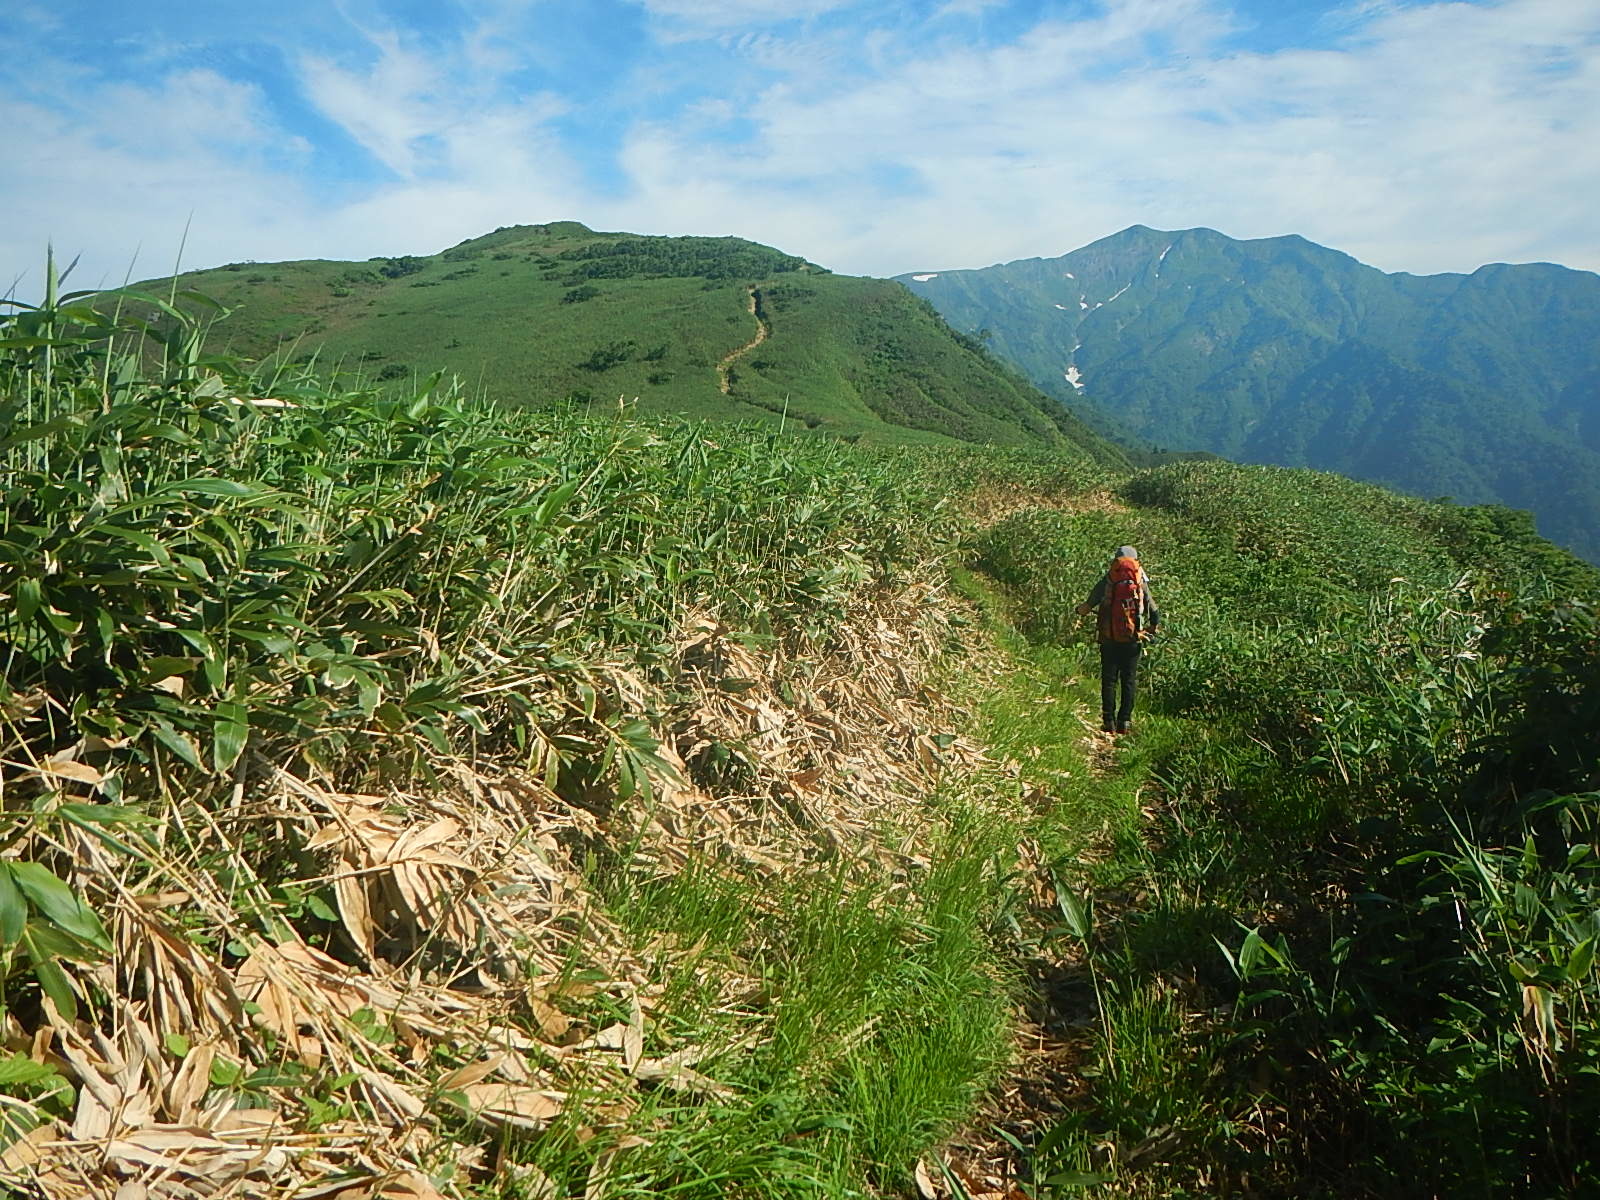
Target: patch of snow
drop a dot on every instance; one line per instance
(1082, 303)
(1161, 260)
(1073, 376)
(1124, 288)
(1062, 307)
(1070, 275)
(925, 278)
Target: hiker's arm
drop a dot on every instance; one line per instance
(1096, 598)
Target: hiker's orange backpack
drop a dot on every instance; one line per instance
(1123, 606)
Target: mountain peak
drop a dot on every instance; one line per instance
(707, 327)
(1282, 350)
(1135, 234)
(551, 230)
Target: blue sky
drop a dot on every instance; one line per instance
(875, 136)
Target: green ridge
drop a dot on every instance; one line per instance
(546, 314)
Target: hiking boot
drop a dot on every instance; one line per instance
(1124, 728)
(1107, 727)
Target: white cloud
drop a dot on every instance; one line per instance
(732, 14)
(967, 8)
(388, 109)
(1434, 137)
(1438, 138)
(119, 172)
(193, 150)
(423, 111)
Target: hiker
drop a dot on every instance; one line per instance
(1128, 617)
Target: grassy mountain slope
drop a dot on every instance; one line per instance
(704, 327)
(412, 797)
(1477, 386)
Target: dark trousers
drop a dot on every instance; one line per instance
(1119, 671)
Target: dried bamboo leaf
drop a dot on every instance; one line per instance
(61, 767)
(402, 1105)
(471, 1073)
(355, 911)
(195, 1153)
(412, 1185)
(512, 1104)
(550, 1020)
(27, 1150)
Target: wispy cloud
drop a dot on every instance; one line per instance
(124, 167)
(869, 135)
(735, 14)
(389, 108)
(1426, 138)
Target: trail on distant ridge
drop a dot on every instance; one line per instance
(725, 366)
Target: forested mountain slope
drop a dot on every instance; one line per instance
(1482, 387)
(542, 314)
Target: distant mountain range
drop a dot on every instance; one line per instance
(1483, 387)
(707, 327)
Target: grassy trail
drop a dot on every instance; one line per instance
(1084, 798)
(1341, 929)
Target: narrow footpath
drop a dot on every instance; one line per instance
(763, 328)
(1043, 718)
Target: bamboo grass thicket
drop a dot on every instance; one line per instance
(219, 586)
(283, 547)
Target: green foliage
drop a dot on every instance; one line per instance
(612, 354)
(41, 916)
(398, 268)
(678, 257)
(201, 568)
(31, 1094)
(1385, 778)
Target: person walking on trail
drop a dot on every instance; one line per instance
(1128, 617)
